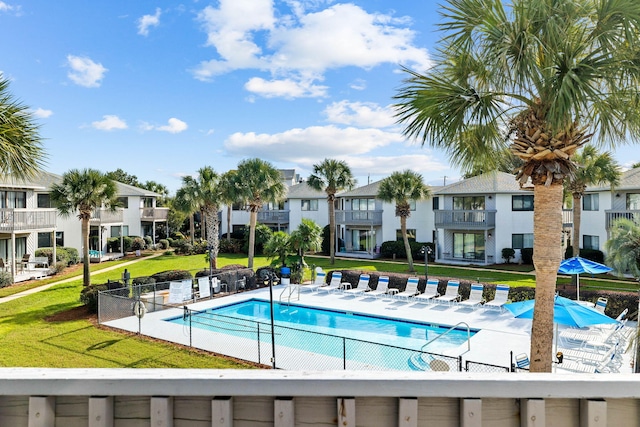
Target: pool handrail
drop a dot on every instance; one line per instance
(449, 330)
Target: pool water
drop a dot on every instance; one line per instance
(374, 340)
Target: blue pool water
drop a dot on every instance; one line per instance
(360, 338)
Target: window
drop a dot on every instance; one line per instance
(238, 206)
(590, 202)
(123, 202)
(310, 205)
(115, 231)
(13, 199)
(522, 203)
(468, 246)
(591, 242)
(44, 240)
(44, 201)
(147, 202)
(59, 238)
(633, 201)
(412, 205)
(520, 241)
(468, 203)
(125, 230)
(411, 234)
(273, 206)
(435, 203)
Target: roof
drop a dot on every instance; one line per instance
(304, 191)
(629, 180)
(370, 190)
(492, 182)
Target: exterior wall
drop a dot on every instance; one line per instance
(593, 222)
(296, 214)
(509, 222)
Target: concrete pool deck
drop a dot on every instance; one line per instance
(500, 334)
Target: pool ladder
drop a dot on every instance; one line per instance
(289, 293)
(417, 361)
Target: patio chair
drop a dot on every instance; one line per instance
(601, 304)
(3, 267)
(430, 291)
(500, 299)
(361, 287)
(335, 284)
(319, 281)
(381, 289)
(410, 290)
(522, 361)
(475, 296)
(451, 295)
(24, 263)
(204, 289)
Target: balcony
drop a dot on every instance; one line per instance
(206, 397)
(273, 217)
(368, 218)
(107, 216)
(12, 220)
(154, 214)
(612, 216)
(471, 219)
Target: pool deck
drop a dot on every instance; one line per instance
(499, 332)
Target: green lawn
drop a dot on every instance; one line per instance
(29, 337)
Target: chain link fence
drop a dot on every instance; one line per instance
(283, 347)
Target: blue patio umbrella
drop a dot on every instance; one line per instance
(577, 266)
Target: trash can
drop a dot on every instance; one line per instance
(285, 275)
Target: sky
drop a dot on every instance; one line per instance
(161, 89)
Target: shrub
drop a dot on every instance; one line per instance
(233, 246)
(177, 235)
(508, 254)
(170, 240)
(167, 276)
(67, 256)
(113, 244)
(183, 247)
(164, 244)
(148, 240)
(59, 266)
(146, 283)
(5, 279)
(593, 255)
(168, 253)
(527, 255)
(89, 296)
(199, 247)
(388, 249)
(325, 240)
(263, 234)
(138, 244)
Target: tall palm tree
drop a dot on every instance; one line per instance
(541, 77)
(21, 151)
(593, 168)
(332, 176)
(278, 247)
(402, 188)
(82, 192)
(307, 237)
(229, 195)
(623, 247)
(258, 182)
(186, 201)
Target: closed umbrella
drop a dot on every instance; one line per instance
(578, 265)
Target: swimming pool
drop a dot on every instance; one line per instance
(383, 342)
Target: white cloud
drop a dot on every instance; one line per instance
(8, 8)
(173, 126)
(358, 84)
(307, 145)
(382, 166)
(148, 21)
(302, 45)
(84, 71)
(109, 123)
(364, 114)
(41, 113)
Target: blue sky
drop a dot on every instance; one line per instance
(161, 89)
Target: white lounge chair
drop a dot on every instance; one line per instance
(410, 290)
(522, 361)
(601, 304)
(430, 291)
(335, 284)
(381, 289)
(319, 281)
(475, 296)
(500, 299)
(361, 287)
(451, 295)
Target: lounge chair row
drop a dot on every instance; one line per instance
(411, 291)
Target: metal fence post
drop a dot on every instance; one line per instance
(344, 353)
(259, 360)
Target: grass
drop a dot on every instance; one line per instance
(36, 330)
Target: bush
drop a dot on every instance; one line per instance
(164, 244)
(183, 247)
(170, 240)
(325, 240)
(233, 246)
(388, 249)
(89, 294)
(508, 254)
(59, 266)
(146, 282)
(113, 244)
(138, 244)
(168, 276)
(168, 253)
(199, 247)
(263, 234)
(67, 256)
(5, 279)
(148, 241)
(177, 235)
(592, 255)
(527, 255)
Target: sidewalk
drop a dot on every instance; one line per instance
(71, 279)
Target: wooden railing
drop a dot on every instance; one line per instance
(347, 217)
(273, 217)
(107, 216)
(202, 397)
(154, 214)
(470, 219)
(27, 219)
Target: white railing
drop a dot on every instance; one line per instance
(200, 397)
(27, 219)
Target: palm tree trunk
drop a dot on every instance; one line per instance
(332, 230)
(547, 233)
(253, 218)
(229, 211)
(407, 246)
(192, 227)
(211, 213)
(86, 275)
(577, 215)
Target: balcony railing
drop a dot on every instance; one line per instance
(27, 219)
(273, 217)
(359, 217)
(107, 216)
(567, 217)
(206, 397)
(154, 214)
(612, 216)
(470, 219)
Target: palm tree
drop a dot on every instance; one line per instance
(186, 201)
(623, 247)
(21, 151)
(307, 237)
(402, 188)
(541, 77)
(258, 182)
(278, 247)
(229, 195)
(593, 168)
(332, 176)
(82, 192)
